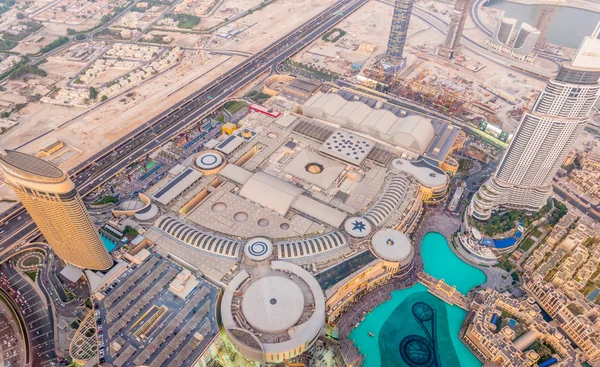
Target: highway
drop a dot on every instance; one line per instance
(16, 223)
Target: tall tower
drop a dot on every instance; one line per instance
(451, 46)
(50, 197)
(526, 40)
(542, 22)
(504, 31)
(398, 31)
(545, 136)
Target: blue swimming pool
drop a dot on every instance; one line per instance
(109, 244)
(505, 242)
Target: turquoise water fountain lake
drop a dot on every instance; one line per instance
(415, 328)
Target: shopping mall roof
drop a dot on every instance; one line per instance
(278, 195)
(282, 309)
(270, 192)
(314, 169)
(391, 245)
(273, 304)
(443, 140)
(426, 174)
(177, 186)
(413, 132)
(236, 173)
(230, 144)
(348, 147)
(302, 85)
(319, 211)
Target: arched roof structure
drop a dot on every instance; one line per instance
(412, 132)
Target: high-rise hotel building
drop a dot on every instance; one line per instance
(545, 136)
(51, 199)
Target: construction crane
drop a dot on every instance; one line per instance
(180, 56)
(199, 48)
(542, 23)
(527, 104)
(199, 43)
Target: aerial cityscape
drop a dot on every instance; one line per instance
(307, 183)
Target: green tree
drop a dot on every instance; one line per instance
(71, 32)
(103, 98)
(130, 231)
(93, 93)
(575, 308)
(20, 15)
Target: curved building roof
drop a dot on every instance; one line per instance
(426, 174)
(389, 200)
(209, 161)
(282, 311)
(270, 192)
(191, 236)
(413, 132)
(392, 245)
(310, 246)
(273, 304)
(28, 167)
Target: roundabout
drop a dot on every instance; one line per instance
(30, 261)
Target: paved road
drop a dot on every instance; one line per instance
(140, 142)
(576, 202)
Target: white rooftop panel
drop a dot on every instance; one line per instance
(347, 146)
(314, 169)
(319, 211)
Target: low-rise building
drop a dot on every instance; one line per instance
(572, 319)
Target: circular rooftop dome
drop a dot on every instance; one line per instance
(258, 249)
(391, 245)
(358, 227)
(209, 161)
(273, 304)
(277, 311)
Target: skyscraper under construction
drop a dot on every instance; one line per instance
(542, 22)
(398, 31)
(545, 136)
(451, 46)
(51, 199)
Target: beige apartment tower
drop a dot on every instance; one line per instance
(51, 199)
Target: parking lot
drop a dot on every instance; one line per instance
(9, 341)
(37, 314)
(148, 322)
